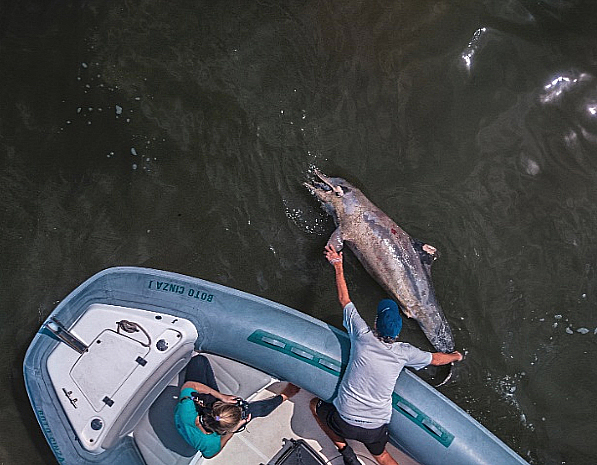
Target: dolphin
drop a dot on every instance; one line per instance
(395, 260)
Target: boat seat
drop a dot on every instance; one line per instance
(156, 435)
(237, 379)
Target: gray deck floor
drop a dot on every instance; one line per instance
(263, 438)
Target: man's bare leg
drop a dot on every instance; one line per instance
(348, 455)
(385, 458)
(339, 442)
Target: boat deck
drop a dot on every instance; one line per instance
(263, 437)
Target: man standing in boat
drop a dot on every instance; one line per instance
(363, 407)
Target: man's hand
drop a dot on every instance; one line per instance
(332, 256)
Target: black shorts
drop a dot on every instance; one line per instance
(375, 440)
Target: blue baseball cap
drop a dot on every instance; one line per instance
(389, 321)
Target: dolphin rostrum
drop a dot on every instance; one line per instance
(394, 259)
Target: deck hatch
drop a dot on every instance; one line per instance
(110, 360)
(297, 351)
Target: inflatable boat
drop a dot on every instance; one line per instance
(103, 374)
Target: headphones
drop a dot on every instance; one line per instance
(204, 411)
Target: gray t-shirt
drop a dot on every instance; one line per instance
(365, 393)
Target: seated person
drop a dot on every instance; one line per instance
(206, 418)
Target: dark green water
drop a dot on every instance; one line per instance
(176, 135)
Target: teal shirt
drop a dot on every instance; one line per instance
(184, 418)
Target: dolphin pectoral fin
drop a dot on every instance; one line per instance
(336, 240)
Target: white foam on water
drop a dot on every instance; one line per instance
(473, 47)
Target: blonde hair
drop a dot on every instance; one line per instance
(223, 418)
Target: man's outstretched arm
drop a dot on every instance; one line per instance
(335, 260)
(440, 358)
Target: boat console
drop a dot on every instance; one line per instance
(111, 366)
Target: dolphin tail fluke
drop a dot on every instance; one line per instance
(437, 376)
(447, 376)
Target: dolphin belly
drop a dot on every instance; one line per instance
(387, 254)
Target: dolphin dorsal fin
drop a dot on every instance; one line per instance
(426, 258)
